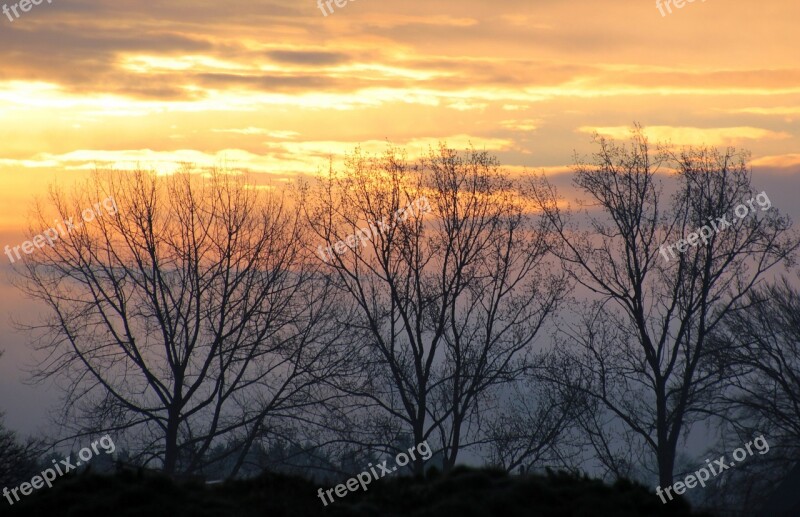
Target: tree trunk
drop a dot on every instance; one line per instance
(171, 443)
(450, 460)
(666, 463)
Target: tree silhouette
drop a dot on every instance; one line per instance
(449, 299)
(642, 343)
(187, 316)
(18, 460)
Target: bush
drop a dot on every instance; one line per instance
(464, 492)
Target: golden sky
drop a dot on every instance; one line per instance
(276, 87)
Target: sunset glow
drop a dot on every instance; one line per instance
(278, 88)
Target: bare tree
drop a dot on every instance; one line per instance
(535, 426)
(185, 315)
(448, 271)
(762, 338)
(765, 333)
(18, 459)
(643, 345)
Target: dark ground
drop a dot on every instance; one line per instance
(463, 493)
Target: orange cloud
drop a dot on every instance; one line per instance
(690, 135)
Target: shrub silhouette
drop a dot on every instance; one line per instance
(464, 492)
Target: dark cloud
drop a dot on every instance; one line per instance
(267, 82)
(300, 57)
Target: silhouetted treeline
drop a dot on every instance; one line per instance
(218, 329)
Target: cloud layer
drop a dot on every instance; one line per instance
(278, 87)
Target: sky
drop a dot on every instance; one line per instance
(278, 88)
